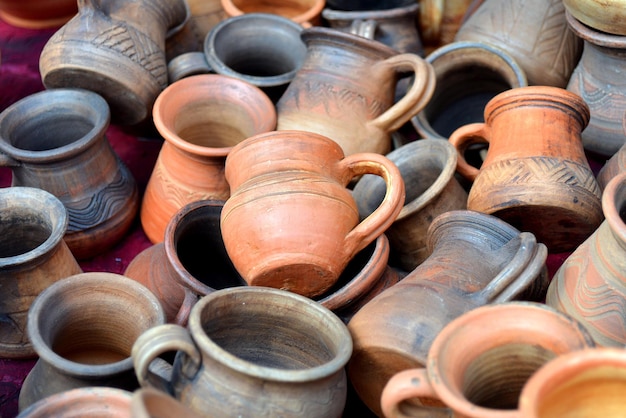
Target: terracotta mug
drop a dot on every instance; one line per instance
(428, 169)
(470, 367)
(33, 256)
(97, 402)
(291, 222)
(83, 328)
(200, 118)
(535, 175)
(252, 351)
(345, 90)
(305, 12)
(55, 140)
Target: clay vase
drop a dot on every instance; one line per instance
(345, 90)
(427, 167)
(304, 12)
(152, 403)
(468, 75)
(115, 48)
(440, 20)
(582, 383)
(191, 262)
(252, 351)
(291, 222)
(394, 25)
(100, 402)
(470, 365)
(597, 79)
(590, 285)
(534, 32)
(55, 140)
(200, 118)
(545, 186)
(33, 256)
(476, 259)
(37, 14)
(83, 328)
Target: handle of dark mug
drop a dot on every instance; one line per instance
(462, 138)
(187, 64)
(160, 340)
(416, 97)
(386, 213)
(189, 301)
(409, 384)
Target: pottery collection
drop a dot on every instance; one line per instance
(393, 209)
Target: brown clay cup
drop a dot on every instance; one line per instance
(252, 351)
(479, 363)
(291, 222)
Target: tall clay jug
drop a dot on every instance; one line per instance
(476, 259)
(55, 140)
(345, 90)
(291, 222)
(536, 175)
(33, 256)
(115, 48)
(591, 284)
(534, 32)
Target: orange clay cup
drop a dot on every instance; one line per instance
(291, 223)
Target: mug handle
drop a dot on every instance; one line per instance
(189, 301)
(417, 96)
(462, 138)
(159, 340)
(386, 213)
(407, 384)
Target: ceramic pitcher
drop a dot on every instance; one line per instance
(291, 222)
(476, 259)
(536, 175)
(345, 90)
(56, 140)
(115, 48)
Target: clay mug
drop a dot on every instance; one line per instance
(93, 401)
(83, 328)
(115, 48)
(33, 256)
(55, 140)
(304, 12)
(428, 169)
(584, 383)
(535, 175)
(37, 14)
(153, 403)
(252, 351)
(191, 262)
(200, 118)
(470, 367)
(291, 222)
(345, 90)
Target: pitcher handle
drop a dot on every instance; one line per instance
(462, 138)
(386, 213)
(407, 384)
(417, 96)
(189, 301)
(159, 340)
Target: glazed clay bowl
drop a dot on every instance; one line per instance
(603, 15)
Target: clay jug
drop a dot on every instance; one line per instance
(37, 14)
(55, 140)
(534, 32)
(33, 256)
(304, 12)
(591, 284)
(345, 90)
(427, 167)
(291, 222)
(535, 175)
(598, 80)
(480, 362)
(115, 48)
(200, 118)
(83, 328)
(476, 259)
(191, 262)
(252, 351)
(97, 402)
